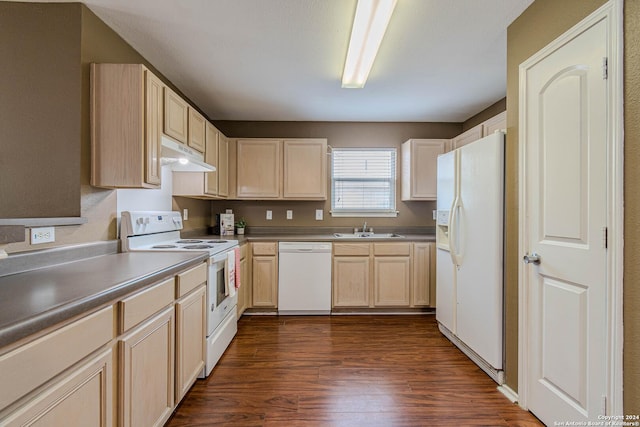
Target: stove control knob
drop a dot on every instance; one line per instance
(140, 221)
(146, 220)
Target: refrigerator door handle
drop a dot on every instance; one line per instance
(453, 232)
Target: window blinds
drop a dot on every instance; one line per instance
(363, 182)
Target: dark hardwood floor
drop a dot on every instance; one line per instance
(345, 371)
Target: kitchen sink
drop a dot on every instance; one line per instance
(367, 235)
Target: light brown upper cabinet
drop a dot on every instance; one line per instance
(197, 129)
(207, 185)
(223, 166)
(305, 169)
(212, 144)
(259, 163)
(176, 116)
(217, 154)
(126, 120)
(292, 169)
(467, 137)
(419, 168)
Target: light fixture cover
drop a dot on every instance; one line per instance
(369, 25)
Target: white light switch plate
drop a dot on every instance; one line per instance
(289, 214)
(269, 215)
(318, 214)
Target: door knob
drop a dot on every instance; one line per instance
(534, 258)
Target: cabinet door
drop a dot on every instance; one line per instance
(197, 130)
(467, 137)
(153, 129)
(243, 290)
(351, 281)
(211, 157)
(175, 116)
(191, 330)
(146, 362)
(419, 168)
(498, 122)
(223, 166)
(82, 398)
(421, 283)
(264, 274)
(126, 110)
(258, 169)
(305, 169)
(391, 281)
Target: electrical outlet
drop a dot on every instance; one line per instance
(43, 235)
(289, 214)
(269, 215)
(185, 214)
(435, 215)
(318, 214)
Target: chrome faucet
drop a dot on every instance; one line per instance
(364, 227)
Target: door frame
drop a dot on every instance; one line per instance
(612, 11)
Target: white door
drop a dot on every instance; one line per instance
(478, 235)
(564, 138)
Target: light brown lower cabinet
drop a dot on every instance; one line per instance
(264, 274)
(244, 292)
(146, 380)
(423, 271)
(126, 364)
(391, 281)
(191, 328)
(81, 398)
(383, 274)
(351, 281)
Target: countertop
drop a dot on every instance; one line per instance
(327, 238)
(34, 300)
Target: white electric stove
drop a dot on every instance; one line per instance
(160, 231)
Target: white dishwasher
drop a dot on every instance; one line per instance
(304, 278)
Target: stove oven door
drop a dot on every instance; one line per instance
(220, 304)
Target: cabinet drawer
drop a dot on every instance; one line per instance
(351, 249)
(243, 251)
(267, 248)
(138, 307)
(397, 249)
(191, 279)
(31, 365)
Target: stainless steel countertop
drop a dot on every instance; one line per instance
(34, 300)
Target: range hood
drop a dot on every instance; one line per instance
(181, 158)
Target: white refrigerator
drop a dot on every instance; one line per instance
(469, 254)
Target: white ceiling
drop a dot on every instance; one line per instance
(440, 60)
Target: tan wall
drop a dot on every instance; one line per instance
(632, 207)
(485, 114)
(75, 30)
(39, 110)
(542, 22)
(339, 134)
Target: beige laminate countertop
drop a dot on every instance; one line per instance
(34, 300)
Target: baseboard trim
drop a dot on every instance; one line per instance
(508, 392)
(495, 374)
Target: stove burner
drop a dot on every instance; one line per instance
(216, 241)
(197, 247)
(163, 247)
(189, 241)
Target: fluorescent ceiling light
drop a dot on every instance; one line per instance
(369, 26)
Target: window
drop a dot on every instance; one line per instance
(363, 182)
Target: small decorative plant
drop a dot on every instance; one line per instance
(241, 224)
